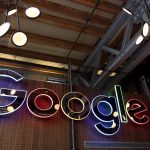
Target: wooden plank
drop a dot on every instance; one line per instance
(62, 22)
(53, 42)
(104, 6)
(37, 55)
(49, 41)
(69, 24)
(31, 67)
(62, 9)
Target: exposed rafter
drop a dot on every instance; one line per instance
(49, 41)
(30, 54)
(118, 22)
(62, 22)
(104, 6)
(78, 14)
(138, 57)
(118, 60)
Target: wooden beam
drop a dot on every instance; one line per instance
(61, 22)
(49, 41)
(104, 6)
(27, 67)
(37, 55)
(53, 42)
(62, 9)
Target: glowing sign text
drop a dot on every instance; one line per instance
(108, 121)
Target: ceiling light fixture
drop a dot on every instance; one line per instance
(127, 11)
(145, 29)
(4, 28)
(6, 25)
(139, 39)
(32, 12)
(112, 74)
(12, 11)
(19, 38)
(99, 72)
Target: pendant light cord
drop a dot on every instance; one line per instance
(82, 30)
(7, 11)
(18, 21)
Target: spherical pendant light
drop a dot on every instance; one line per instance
(4, 28)
(19, 39)
(32, 12)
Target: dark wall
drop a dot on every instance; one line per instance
(23, 131)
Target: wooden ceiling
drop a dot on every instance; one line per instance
(53, 35)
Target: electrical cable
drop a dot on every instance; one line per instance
(82, 30)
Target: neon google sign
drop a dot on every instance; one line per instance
(109, 123)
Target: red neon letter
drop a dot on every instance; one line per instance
(40, 112)
(135, 109)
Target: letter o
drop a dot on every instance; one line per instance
(43, 113)
(69, 112)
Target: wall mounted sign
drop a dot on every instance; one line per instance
(108, 121)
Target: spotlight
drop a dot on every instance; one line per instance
(19, 39)
(139, 39)
(4, 28)
(145, 29)
(127, 11)
(12, 11)
(32, 12)
(99, 72)
(113, 74)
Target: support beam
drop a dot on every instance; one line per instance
(84, 81)
(49, 41)
(118, 60)
(134, 61)
(111, 50)
(118, 22)
(128, 32)
(36, 55)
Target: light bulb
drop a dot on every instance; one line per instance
(145, 30)
(4, 28)
(11, 12)
(139, 40)
(127, 11)
(32, 12)
(19, 39)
